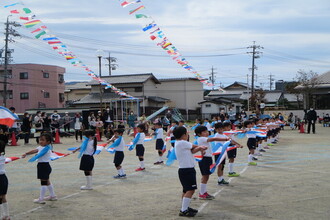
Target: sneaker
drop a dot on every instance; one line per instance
(223, 182)
(38, 201)
(233, 174)
(140, 169)
(120, 176)
(258, 154)
(206, 196)
(193, 210)
(158, 162)
(253, 164)
(262, 150)
(187, 213)
(266, 147)
(270, 144)
(86, 188)
(254, 158)
(51, 198)
(123, 176)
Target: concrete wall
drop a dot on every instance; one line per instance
(36, 85)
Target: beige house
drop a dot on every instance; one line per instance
(151, 94)
(74, 91)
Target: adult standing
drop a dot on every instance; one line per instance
(55, 121)
(232, 115)
(38, 123)
(46, 122)
(67, 124)
(26, 127)
(311, 119)
(15, 125)
(169, 116)
(78, 126)
(107, 118)
(131, 121)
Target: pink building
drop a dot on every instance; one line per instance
(34, 86)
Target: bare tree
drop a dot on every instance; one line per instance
(307, 85)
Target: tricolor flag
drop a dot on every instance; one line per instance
(57, 155)
(10, 159)
(148, 139)
(99, 148)
(198, 158)
(126, 3)
(223, 155)
(32, 23)
(137, 9)
(7, 117)
(111, 150)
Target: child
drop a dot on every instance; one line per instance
(159, 142)
(119, 154)
(251, 143)
(3, 184)
(170, 132)
(232, 153)
(87, 150)
(204, 165)
(187, 174)
(139, 145)
(43, 167)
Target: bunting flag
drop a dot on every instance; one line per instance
(10, 159)
(41, 153)
(40, 31)
(7, 117)
(157, 35)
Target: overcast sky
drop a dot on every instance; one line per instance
(295, 35)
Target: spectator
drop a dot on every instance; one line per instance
(38, 123)
(326, 120)
(78, 126)
(99, 125)
(46, 122)
(131, 121)
(169, 116)
(26, 127)
(67, 124)
(90, 118)
(166, 123)
(311, 119)
(107, 117)
(55, 121)
(15, 125)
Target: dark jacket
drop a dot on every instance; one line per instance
(26, 124)
(311, 115)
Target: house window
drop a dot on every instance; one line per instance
(9, 94)
(46, 75)
(24, 95)
(60, 78)
(46, 95)
(61, 97)
(138, 89)
(208, 105)
(24, 75)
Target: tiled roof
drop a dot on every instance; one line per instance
(324, 78)
(76, 85)
(94, 98)
(126, 79)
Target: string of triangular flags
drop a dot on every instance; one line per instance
(158, 36)
(40, 31)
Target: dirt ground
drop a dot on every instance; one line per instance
(291, 181)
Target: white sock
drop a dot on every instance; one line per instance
(142, 164)
(231, 167)
(250, 158)
(203, 189)
(160, 159)
(185, 203)
(121, 171)
(220, 178)
(51, 190)
(43, 190)
(89, 181)
(5, 210)
(259, 146)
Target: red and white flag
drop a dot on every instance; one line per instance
(7, 117)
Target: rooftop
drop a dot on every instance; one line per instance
(126, 79)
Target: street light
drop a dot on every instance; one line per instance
(99, 54)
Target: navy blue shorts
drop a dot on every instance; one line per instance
(159, 144)
(87, 163)
(3, 184)
(139, 150)
(43, 170)
(187, 178)
(204, 165)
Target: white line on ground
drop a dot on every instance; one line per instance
(200, 209)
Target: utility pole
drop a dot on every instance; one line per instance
(212, 77)
(8, 31)
(112, 63)
(255, 55)
(248, 91)
(271, 80)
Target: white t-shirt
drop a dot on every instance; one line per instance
(202, 141)
(171, 129)
(2, 164)
(15, 125)
(183, 154)
(141, 139)
(44, 158)
(159, 133)
(77, 124)
(121, 145)
(217, 135)
(90, 148)
(208, 126)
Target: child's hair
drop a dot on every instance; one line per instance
(200, 129)
(120, 131)
(142, 127)
(256, 120)
(182, 121)
(178, 132)
(199, 120)
(226, 124)
(47, 136)
(206, 119)
(218, 125)
(2, 147)
(247, 122)
(176, 122)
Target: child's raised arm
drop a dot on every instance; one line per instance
(196, 148)
(218, 139)
(34, 151)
